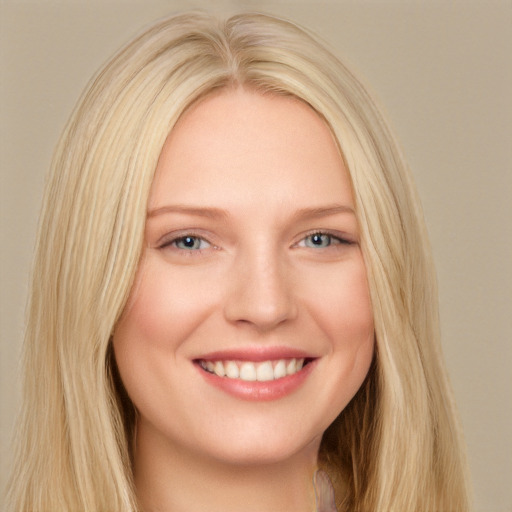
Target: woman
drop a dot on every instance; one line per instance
(233, 288)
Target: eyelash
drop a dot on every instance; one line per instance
(175, 240)
(334, 239)
(338, 240)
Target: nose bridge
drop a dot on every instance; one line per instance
(262, 291)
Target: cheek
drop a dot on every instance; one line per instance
(164, 307)
(343, 312)
(340, 302)
(351, 320)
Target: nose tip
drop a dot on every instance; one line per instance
(261, 297)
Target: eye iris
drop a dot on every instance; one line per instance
(320, 240)
(189, 242)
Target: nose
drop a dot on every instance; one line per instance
(261, 292)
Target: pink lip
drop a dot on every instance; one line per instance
(255, 390)
(255, 354)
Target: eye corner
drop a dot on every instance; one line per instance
(183, 242)
(324, 239)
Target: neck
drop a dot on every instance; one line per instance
(171, 478)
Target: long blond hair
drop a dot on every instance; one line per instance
(396, 447)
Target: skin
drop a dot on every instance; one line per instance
(270, 168)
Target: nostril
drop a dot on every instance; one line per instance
(261, 296)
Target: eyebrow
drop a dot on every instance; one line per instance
(218, 213)
(210, 212)
(323, 211)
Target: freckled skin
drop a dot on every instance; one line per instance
(256, 280)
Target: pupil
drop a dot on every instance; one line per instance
(318, 239)
(189, 241)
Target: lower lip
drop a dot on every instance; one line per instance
(259, 391)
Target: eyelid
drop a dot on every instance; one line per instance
(342, 238)
(170, 238)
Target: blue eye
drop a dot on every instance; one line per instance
(190, 243)
(320, 240)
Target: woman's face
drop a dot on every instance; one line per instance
(249, 327)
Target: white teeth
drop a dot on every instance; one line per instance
(249, 371)
(265, 372)
(232, 370)
(280, 369)
(219, 369)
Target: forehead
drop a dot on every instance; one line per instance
(265, 144)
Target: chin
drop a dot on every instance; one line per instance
(265, 450)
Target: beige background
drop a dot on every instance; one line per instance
(443, 71)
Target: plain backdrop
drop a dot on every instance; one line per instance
(442, 70)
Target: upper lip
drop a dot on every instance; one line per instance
(255, 354)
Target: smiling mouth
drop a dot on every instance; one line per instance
(249, 371)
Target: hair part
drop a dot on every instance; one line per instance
(397, 445)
